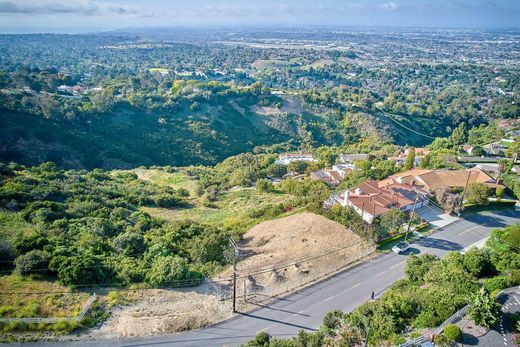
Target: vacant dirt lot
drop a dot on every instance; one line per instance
(278, 256)
(159, 311)
(287, 253)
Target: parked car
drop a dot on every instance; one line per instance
(401, 247)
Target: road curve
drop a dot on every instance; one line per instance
(305, 309)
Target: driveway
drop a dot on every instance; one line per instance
(437, 217)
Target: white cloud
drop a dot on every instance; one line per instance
(80, 7)
(390, 6)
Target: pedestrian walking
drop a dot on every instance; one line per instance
(372, 296)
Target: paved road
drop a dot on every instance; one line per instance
(501, 335)
(305, 309)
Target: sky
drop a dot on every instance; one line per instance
(18, 16)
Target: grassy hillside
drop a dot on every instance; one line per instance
(128, 137)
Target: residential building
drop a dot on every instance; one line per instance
(403, 156)
(493, 149)
(332, 177)
(371, 199)
(418, 151)
(348, 159)
(432, 180)
(286, 159)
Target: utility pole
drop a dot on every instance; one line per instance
(236, 253)
(411, 216)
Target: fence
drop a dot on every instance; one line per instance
(51, 320)
(454, 318)
(264, 284)
(222, 291)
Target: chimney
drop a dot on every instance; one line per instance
(357, 191)
(399, 179)
(345, 198)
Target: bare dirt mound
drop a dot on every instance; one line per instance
(282, 255)
(282, 240)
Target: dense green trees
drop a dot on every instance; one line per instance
(87, 229)
(392, 220)
(410, 159)
(135, 102)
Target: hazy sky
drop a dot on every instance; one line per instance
(96, 15)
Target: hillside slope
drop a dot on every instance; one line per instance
(129, 137)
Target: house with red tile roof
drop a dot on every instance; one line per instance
(432, 180)
(371, 199)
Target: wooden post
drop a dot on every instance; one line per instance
(234, 284)
(236, 253)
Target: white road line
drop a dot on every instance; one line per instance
(465, 231)
(297, 313)
(355, 285)
(391, 267)
(329, 298)
(516, 299)
(259, 331)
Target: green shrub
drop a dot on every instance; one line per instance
(6, 254)
(426, 319)
(332, 321)
(33, 262)
(183, 192)
(498, 282)
(116, 298)
(515, 321)
(484, 309)
(262, 339)
(131, 244)
(168, 270)
(441, 341)
(453, 332)
(264, 185)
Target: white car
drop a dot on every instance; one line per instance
(401, 247)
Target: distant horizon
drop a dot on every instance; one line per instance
(91, 16)
(137, 29)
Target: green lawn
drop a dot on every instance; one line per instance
(159, 69)
(175, 180)
(231, 209)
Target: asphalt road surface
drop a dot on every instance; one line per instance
(502, 334)
(306, 308)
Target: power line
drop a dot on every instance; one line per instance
(300, 260)
(404, 126)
